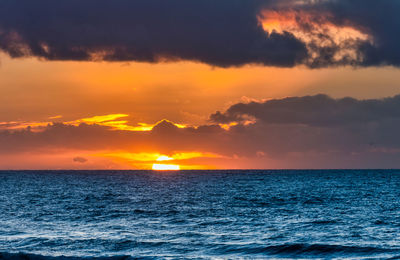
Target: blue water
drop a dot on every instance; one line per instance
(200, 214)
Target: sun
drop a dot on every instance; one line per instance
(166, 167)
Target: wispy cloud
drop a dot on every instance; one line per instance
(113, 121)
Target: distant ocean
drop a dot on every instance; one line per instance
(200, 214)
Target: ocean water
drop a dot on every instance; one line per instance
(339, 214)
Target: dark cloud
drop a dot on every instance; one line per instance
(299, 132)
(380, 19)
(220, 33)
(322, 131)
(319, 110)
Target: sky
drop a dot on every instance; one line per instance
(202, 84)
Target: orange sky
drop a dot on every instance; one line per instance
(250, 84)
(35, 92)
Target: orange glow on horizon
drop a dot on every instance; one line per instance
(147, 160)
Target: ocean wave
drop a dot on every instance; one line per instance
(28, 256)
(277, 251)
(304, 250)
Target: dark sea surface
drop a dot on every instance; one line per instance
(289, 214)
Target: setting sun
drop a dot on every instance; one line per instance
(165, 167)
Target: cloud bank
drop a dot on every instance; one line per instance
(316, 111)
(297, 132)
(220, 33)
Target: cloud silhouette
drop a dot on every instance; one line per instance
(298, 132)
(220, 33)
(319, 110)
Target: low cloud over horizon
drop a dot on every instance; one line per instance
(295, 132)
(222, 33)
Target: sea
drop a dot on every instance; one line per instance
(246, 214)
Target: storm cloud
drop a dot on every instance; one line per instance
(220, 33)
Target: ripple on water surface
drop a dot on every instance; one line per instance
(199, 214)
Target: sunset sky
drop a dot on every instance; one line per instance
(202, 84)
